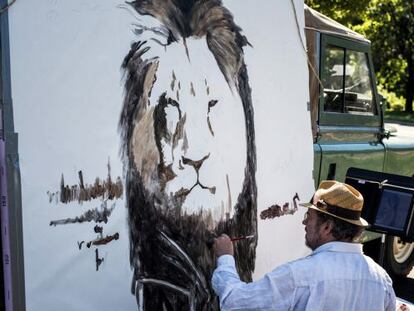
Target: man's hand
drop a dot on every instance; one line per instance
(403, 307)
(223, 246)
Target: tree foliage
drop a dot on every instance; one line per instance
(389, 24)
(346, 12)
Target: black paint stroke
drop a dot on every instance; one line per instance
(173, 79)
(207, 87)
(183, 192)
(98, 260)
(295, 201)
(98, 229)
(192, 90)
(172, 267)
(80, 244)
(210, 128)
(211, 104)
(97, 215)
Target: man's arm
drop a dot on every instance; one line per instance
(225, 277)
(391, 302)
(274, 291)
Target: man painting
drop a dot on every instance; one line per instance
(336, 276)
(188, 145)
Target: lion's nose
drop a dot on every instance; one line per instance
(195, 163)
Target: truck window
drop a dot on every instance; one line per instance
(347, 83)
(332, 79)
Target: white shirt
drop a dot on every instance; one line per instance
(336, 276)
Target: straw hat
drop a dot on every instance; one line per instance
(338, 200)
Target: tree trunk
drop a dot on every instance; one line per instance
(409, 88)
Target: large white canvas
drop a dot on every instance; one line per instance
(67, 93)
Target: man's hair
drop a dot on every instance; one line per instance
(341, 230)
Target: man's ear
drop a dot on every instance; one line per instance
(327, 227)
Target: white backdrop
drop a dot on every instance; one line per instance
(67, 96)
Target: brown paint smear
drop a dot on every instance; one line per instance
(105, 189)
(103, 241)
(277, 210)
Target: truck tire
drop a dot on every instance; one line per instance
(398, 257)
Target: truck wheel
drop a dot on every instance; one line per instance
(399, 257)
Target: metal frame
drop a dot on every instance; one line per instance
(12, 228)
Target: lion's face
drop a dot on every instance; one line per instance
(189, 144)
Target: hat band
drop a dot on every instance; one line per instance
(339, 211)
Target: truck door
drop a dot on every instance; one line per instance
(349, 120)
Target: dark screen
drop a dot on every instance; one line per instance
(393, 210)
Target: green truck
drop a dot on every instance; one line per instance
(347, 122)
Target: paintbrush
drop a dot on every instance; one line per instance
(246, 237)
(210, 241)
